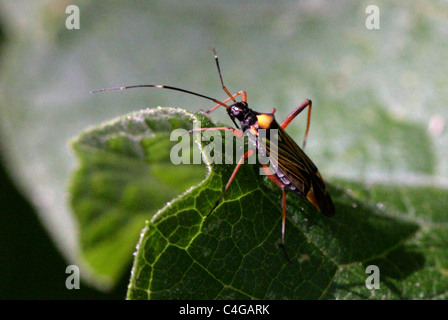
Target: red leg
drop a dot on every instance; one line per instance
(292, 115)
(281, 185)
(234, 131)
(246, 155)
(283, 214)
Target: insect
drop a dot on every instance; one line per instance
(295, 170)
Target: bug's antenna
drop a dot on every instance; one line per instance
(163, 87)
(220, 76)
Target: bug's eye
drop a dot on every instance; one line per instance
(236, 111)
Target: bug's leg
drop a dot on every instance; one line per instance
(273, 110)
(281, 185)
(243, 98)
(283, 224)
(283, 214)
(246, 155)
(292, 115)
(234, 131)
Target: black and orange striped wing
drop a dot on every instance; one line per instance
(299, 170)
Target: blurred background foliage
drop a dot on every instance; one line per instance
(379, 98)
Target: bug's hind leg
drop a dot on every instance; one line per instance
(282, 186)
(295, 113)
(282, 245)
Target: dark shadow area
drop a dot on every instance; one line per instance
(398, 265)
(357, 232)
(395, 267)
(31, 266)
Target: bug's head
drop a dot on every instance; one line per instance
(238, 111)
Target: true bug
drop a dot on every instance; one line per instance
(295, 170)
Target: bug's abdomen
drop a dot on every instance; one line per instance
(315, 191)
(299, 189)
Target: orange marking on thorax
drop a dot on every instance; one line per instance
(264, 120)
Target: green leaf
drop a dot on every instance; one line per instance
(125, 176)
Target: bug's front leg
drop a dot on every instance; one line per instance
(236, 132)
(246, 155)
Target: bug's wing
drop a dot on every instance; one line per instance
(299, 170)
